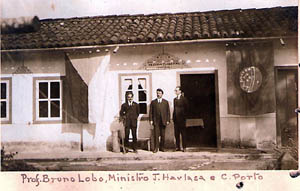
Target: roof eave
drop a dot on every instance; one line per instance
(66, 49)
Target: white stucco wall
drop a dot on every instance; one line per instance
(286, 55)
(22, 131)
(101, 72)
(255, 131)
(22, 98)
(37, 62)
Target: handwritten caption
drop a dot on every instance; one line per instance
(39, 179)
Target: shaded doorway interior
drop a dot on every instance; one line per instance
(286, 102)
(199, 89)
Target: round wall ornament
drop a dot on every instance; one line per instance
(250, 79)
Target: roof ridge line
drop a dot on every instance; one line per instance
(161, 14)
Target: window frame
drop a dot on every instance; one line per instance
(36, 100)
(148, 76)
(8, 100)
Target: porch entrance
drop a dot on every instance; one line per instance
(200, 91)
(286, 103)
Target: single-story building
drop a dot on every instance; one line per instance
(63, 80)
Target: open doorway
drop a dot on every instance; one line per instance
(286, 102)
(200, 91)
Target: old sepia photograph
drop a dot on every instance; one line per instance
(149, 85)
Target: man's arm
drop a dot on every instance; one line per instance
(173, 109)
(168, 113)
(137, 109)
(122, 111)
(186, 107)
(150, 113)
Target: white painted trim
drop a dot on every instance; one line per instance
(47, 75)
(6, 75)
(37, 100)
(135, 89)
(283, 65)
(205, 69)
(33, 75)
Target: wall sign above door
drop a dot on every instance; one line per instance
(164, 61)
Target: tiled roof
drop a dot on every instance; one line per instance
(102, 30)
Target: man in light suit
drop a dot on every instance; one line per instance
(159, 117)
(179, 118)
(129, 113)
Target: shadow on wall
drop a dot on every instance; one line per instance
(144, 133)
(78, 128)
(118, 130)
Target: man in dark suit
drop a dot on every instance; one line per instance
(159, 117)
(129, 113)
(179, 118)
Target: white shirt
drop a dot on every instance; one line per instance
(130, 103)
(159, 100)
(178, 97)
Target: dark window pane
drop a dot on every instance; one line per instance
(143, 108)
(3, 90)
(3, 109)
(43, 90)
(142, 83)
(142, 96)
(128, 84)
(54, 89)
(43, 109)
(55, 108)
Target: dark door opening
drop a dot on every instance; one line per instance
(199, 89)
(286, 102)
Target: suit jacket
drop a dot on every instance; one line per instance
(180, 110)
(157, 111)
(129, 114)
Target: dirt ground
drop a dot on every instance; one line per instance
(143, 161)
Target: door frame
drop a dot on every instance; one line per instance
(215, 72)
(278, 130)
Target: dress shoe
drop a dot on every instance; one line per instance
(135, 151)
(155, 151)
(184, 150)
(162, 150)
(178, 149)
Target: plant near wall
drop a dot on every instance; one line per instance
(8, 163)
(293, 147)
(5, 157)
